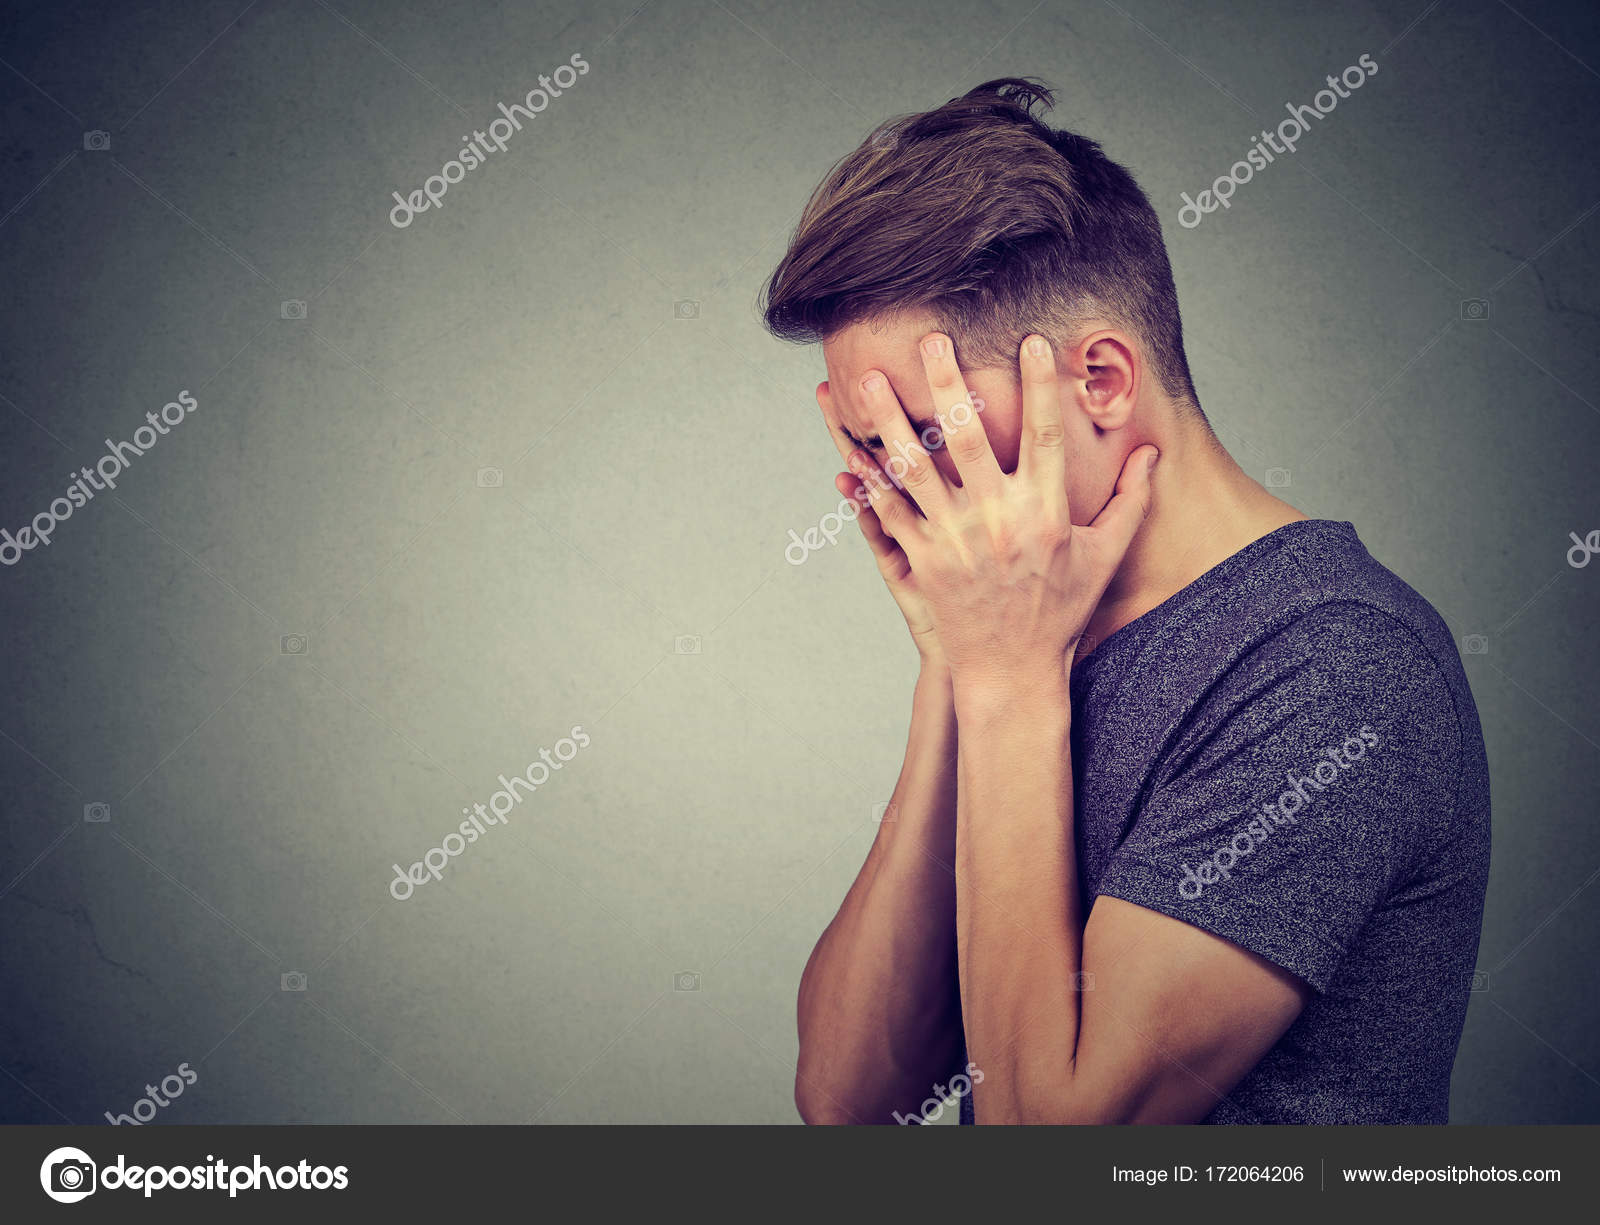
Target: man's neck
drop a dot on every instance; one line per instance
(1204, 509)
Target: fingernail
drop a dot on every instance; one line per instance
(872, 383)
(1150, 461)
(933, 346)
(1038, 347)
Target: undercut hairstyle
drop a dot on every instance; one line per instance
(994, 223)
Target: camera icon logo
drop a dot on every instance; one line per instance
(490, 478)
(883, 811)
(685, 980)
(1480, 981)
(1083, 980)
(293, 644)
(686, 309)
(1277, 478)
(1475, 644)
(68, 1175)
(97, 141)
(294, 980)
(686, 644)
(294, 308)
(1475, 309)
(97, 813)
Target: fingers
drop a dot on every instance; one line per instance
(896, 516)
(890, 557)
(909, 464)
(865, 473)
(830, 414)
(964, 435)
(1043, 458)
(1122, 517)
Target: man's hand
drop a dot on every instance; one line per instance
(1008, 580)
(891, 559)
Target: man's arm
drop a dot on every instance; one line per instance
(879, 1013)
(1134, 1018)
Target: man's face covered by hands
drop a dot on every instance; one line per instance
(892, 349)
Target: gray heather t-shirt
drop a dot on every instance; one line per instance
(1286, 754)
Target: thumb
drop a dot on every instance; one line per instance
(1122, 517)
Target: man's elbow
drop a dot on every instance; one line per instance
(1065, 1101)
(817, 1107)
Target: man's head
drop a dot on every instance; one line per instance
(979, 221)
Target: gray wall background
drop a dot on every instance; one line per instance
(653, 458)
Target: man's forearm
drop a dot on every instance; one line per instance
(1020, 925)
(879, 1010)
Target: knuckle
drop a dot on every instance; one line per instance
(891, 509)
(967, 443)
(1047, 434)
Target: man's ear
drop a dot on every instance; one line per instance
(1103, 378)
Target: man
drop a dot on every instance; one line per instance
(1193, 823)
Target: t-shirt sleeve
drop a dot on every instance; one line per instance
(1300, 794)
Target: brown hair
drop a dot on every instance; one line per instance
(993, 222)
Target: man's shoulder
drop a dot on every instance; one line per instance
(1348, 641)
(1307, 596)
(1312, 628)
(1350, 616)
(1302, 629)
(1353, 644)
